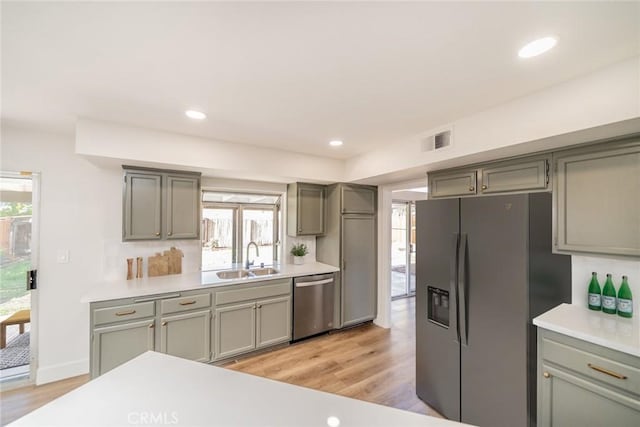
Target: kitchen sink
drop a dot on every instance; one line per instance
(263, 271)
(232, 274)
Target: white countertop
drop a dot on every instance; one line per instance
(189, 281)
(168, 390)
(607, 330)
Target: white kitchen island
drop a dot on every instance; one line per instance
(157, 389)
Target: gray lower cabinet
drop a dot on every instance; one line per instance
(178, 324)
(160, 205)
(583, 384)
(236, 329)
(597, 199)
(273, 321)
(252, 317)
(113, 345)
(187, 335)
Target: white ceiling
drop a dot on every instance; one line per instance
(294, 75)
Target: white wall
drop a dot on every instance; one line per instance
(606, 96)
(214, 158)
(80, 211)
(582, 266)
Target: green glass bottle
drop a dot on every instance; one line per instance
(625, 301)
(609, 296)
(595, 295)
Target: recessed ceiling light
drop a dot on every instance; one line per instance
(335, 143)
(537, 47)
(193, 114)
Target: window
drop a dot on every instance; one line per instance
(230, 221)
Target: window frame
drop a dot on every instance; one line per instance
(237, 251)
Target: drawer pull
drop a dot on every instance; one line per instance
(125, 313)
(608, 372)
(188, 302)
(546, 375)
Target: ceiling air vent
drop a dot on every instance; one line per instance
(436, 142)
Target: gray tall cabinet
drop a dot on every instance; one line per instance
(350, 243)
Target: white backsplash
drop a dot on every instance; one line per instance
(310, 241)
(116, 253)
(582, 266)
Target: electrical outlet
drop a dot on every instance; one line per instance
(63, 256)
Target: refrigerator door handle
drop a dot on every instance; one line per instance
(462, 284)
(453, 284)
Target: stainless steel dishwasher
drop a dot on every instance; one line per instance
(313, 302)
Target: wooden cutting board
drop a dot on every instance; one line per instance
(170, 262)
(158, 265)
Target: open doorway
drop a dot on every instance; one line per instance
(18, 258)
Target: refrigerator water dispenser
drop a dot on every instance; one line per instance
(438, 306)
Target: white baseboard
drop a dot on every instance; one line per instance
(48, 374)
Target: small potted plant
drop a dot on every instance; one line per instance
(298, 252)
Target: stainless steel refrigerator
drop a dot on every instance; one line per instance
(484, 270)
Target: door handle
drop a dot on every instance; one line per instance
(453, 284)
(317, 282)
(462, 293)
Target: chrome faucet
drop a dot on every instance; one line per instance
(247, 263)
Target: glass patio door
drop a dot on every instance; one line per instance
(18, 256)
(403, 256)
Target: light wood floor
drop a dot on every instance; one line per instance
(367, 363)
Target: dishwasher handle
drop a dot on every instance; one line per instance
(314, 283)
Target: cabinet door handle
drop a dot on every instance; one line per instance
(608, 372)
(259, 305)
(546, 375)
(188, 302)
(125, 313)
(158, 233)
(170, 233)
(151, 326)
(164, 323)
(484, 187)
(471, 188)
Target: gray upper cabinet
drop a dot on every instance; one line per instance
(452, 184)
(142, 206)
(597, 199)
(183, 207)
(358, 199)
(160, 205)
(305, 209)
(516, 175)
(524, 174)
